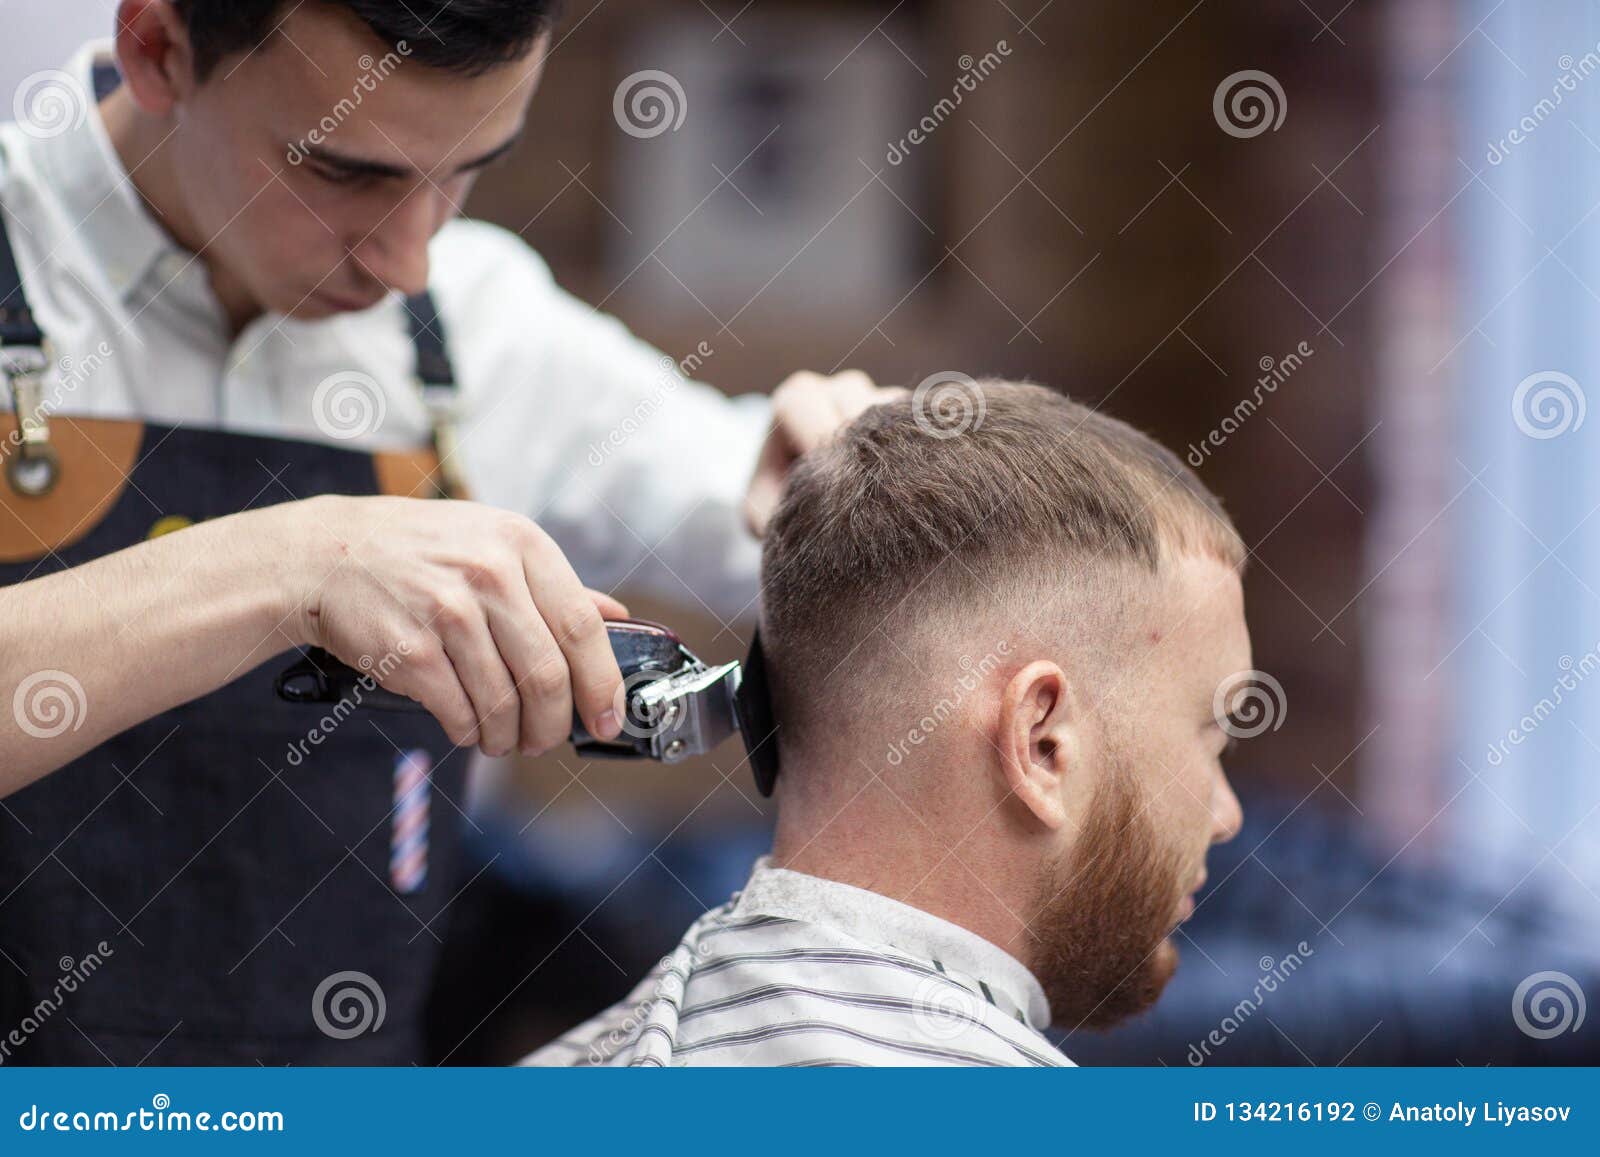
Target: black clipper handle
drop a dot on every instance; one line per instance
(319, 679)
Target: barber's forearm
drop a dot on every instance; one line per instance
(139, 632)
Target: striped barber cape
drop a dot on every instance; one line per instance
(799, 970)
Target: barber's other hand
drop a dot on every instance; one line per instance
(487, 624)
(807, 410)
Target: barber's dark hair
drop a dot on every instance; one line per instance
(465, 36)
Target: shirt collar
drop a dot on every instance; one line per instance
(876, 919)
(82, 167)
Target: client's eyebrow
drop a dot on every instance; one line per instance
(349, 166)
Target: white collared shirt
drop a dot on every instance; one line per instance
(636, 472)
(799, 970)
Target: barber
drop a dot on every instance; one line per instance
(254, 373)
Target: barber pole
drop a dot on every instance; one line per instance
(408, 840)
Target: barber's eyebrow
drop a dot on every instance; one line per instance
(365, 167)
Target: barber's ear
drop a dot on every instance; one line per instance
(154, 54)
(1038, 739)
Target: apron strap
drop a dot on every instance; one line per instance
(106, 78)
(437, 379)
(17, 327)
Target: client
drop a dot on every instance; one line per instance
(1000, 657)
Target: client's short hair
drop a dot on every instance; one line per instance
(906, 525)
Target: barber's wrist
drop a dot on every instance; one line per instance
(289, 556)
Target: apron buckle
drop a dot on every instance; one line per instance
(444, 408)
(35, 468)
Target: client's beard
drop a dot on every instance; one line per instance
(1103, 915)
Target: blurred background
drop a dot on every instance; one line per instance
(1341, 255)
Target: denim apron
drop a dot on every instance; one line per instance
(238, 880)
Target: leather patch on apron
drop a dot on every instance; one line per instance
(408, 473)
(97, 455)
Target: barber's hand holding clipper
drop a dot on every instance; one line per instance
(492, 630)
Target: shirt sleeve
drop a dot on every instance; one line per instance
(638, 472)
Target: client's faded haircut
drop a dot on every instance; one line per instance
(903, 526)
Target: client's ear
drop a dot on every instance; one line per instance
(1038, 739)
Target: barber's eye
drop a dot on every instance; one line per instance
(340, 176)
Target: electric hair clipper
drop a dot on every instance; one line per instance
(675, 705)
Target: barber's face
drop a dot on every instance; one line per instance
(317, 168)
(1113, 900)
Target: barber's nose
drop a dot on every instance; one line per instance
(1226, 812)
(396, 253)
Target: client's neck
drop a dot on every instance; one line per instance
(862, 831)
